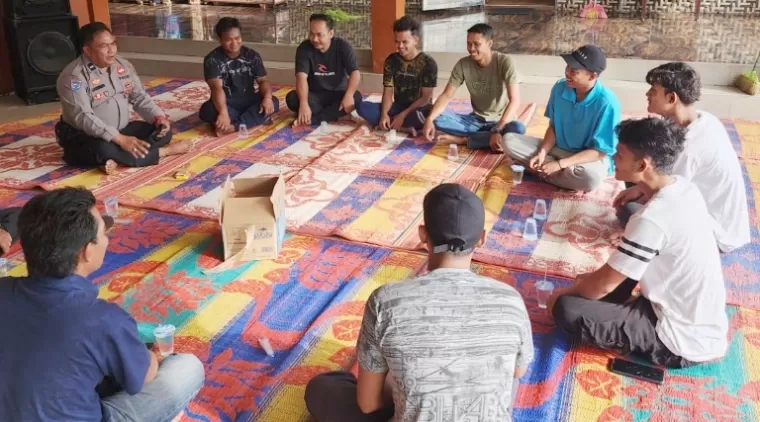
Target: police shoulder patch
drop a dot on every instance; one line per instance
(75, 84)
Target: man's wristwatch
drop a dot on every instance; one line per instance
(495, 130)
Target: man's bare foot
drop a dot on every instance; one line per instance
(447, 139)
(175, 148)
(110, 167)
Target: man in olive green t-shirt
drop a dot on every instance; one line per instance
(492, 81)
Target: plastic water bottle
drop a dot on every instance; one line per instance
(453, 152)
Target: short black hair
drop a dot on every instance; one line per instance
(88, 32)
(53, 228)
(660, 139)
(483, 29)
(678, 78)
(405, 23)
(327, 19)
(225, 24)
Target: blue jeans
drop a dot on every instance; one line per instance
(241, 110)
(475, 128)
(179, 379)
(371, 113)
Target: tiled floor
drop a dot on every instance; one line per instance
(721, 39)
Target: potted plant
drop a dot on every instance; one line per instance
(749, 82)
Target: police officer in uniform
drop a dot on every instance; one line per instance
(96, 90)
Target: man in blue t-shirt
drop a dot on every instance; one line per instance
(576, 150)
(231, 71)
(67, 355)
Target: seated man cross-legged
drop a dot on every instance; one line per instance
(709, 160)
(409, 77)
(96, 92)
(327, 76)
(576, 149)
(67, 355)
(668, 248)
(492, 81)
(231, 70)
(447, 346)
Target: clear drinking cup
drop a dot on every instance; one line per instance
(517, 173)
(453, 152)
(530, 232)
(165, 339)
(242, 131)
(112, 207)
(544, 289)
(323, 129)
(539, 211)
(5, 267)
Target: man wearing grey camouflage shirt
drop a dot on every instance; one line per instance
(446, 346)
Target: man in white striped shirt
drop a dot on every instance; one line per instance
(449, 344)
(669, 248)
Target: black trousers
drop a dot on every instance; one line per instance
(331, 397)
(9, 222)
(324, 104)
(83, 150)
(611, 324)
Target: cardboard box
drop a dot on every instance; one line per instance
(253, 218)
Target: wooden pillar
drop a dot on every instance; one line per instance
(382, 16)
(91, 11)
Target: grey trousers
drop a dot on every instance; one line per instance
(331, 397)
(583, 177)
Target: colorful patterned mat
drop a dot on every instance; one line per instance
(309, 304)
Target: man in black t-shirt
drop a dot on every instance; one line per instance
(326, 76)
(231, 70)
(409, 77)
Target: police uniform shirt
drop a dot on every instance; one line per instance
(96, 101)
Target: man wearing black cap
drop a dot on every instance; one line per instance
(445, 346)
(576, 151)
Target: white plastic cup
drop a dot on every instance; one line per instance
(242, 131)
(539, 211)
(530, 232)
(267, 346)
(112, 207)
(453, 152)
(165, 339)
(392, 137)
(517, 173)
(323, 129)
(544, 289)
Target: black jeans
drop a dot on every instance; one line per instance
(83, 150)
(324, 104)
(241, 111)
(331, 397)
(609, 323)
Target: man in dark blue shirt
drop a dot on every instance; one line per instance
(327, 76)
(231, 70)
(61, 342)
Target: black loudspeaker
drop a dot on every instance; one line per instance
(25, 9)
(39, 49)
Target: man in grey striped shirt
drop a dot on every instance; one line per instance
(446, 346)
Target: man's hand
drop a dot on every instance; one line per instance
(134, 146)
(163, 124)
(347, 104)
(428, 130)
(5, 241)
(223, 122)
(634, 193)
(304, 115)
(398, 121)
(267, 106)
(547, 169)
(495, 142)
(385, 122)
(538, 160)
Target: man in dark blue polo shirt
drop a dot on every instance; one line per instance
(60, 342)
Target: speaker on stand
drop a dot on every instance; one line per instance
(42, 39)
